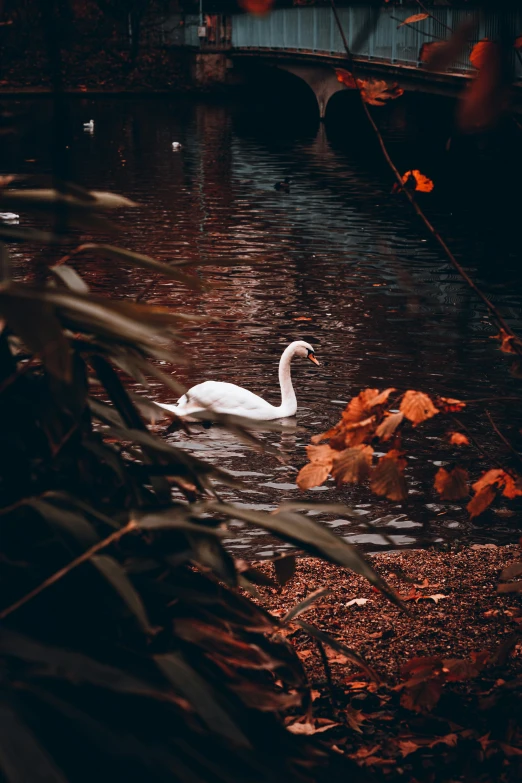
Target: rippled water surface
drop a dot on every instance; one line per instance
(338, 261)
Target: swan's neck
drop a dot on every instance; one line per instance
(288, 399)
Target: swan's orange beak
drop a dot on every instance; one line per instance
(312, 358)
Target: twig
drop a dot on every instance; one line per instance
(51, 580)
(328, 673)
(503, 437)
(517, 343)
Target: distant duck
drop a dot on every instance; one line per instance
(176, 146)
(89, 126)
(9, 217)
(284, 185)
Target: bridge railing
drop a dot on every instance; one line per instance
(314, 30)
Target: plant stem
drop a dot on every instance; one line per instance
(503, 437)
(328, 673)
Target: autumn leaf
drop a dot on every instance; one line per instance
(257, 7)
(512, 487)
(358, 407)
(352, 465)
(312, 475)
(407, 746)
(458, 439)
(480, 502)
(358, 432)
(495, 476)
(510, 343)
(388, 426)
(417, 407)
(428, 49)
(413, 19)
(387, 477)
(480, 53)
(449, 405)
(381, 398)
(346, 78)
(376, 92)
(483, 99)
(357, 602)
(421, 696)
(442, 56)
(453, 484)
(308, 727)
(323, 454)
(437, 597)
(420, 182)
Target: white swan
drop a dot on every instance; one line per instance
(229, 398)
(89, 126)
(176, 145)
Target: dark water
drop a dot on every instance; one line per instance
(338, 261)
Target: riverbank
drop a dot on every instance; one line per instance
(446, 701)
(104, 71)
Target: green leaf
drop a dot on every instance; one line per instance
(301, 607)
(200, 694)
(304, 532)
(118, 579)
(36, 323)
(339, 647)
(140, 260)
(22, 758)
(70, 278)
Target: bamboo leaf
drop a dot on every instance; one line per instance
(140, 260)
(317, 540)
(22, 758)
(190, 684)
(70, 278)
(111, 570)
(339, 647)
(68, 522)
(36, 323)
(301, 607)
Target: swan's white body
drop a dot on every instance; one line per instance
(229, 398)
(176, 145)
(9, 217)
(89, 126)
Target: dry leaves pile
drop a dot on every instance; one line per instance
(368, 422)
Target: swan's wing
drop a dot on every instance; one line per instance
(223, 398)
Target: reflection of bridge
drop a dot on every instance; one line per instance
(307, 42)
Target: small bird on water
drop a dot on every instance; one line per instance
(176, 145)
(284, 185)
(89, 126)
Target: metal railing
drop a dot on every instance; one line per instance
(314, 30)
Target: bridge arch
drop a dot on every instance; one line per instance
(321, 79)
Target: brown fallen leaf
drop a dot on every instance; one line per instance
(449, 405)
(308, 727)
(480, 502)
(437, 597)
(421, 696)
(407, 746)
(418, 181)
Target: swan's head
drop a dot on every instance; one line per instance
(300, 348)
